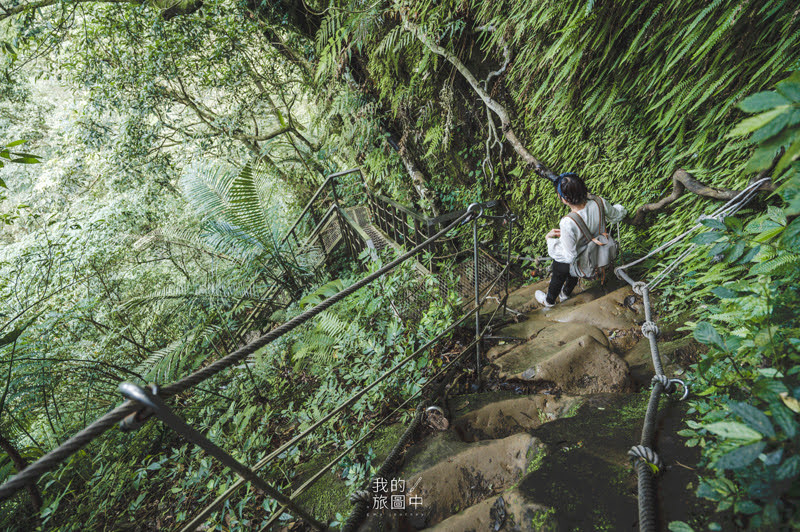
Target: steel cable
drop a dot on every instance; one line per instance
(55, 457)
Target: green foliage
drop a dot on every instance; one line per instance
(776, 125)
(748, 382)
(15, 157)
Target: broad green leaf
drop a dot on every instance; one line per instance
(705, 333)
(733, 431)
(25, 160)
(747, 507)
(724, 293)
(736, 251)
(706, 238)
(791, 236)
(769, 389)
(16, 143)
(789, 469)
(749, 256)
(755, 418)
(769, 234)
(771, 129)
(789, 90)
(792, 152)
(765, 153)
(713, 223)
(784, 418)
(756, 122)
(762, 101)
(761, 158)
(679, 526)
(740, 457)
(733, 223)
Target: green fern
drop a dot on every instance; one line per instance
(774, 266)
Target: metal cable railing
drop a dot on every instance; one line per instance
(359, 511)
(142, 403)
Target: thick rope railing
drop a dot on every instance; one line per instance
(54, 458)
(647, 462)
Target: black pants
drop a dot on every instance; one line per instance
(561, 278)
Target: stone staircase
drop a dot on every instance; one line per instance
(555, 459)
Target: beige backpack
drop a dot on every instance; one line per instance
(601, 249)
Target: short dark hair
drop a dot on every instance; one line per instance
(573, 189)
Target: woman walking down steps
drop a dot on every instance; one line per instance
(565, 244)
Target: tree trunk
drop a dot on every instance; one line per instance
(20, 464)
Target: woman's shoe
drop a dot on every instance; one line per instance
(562, 296)
(541, 297)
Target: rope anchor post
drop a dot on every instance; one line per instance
(153, 403)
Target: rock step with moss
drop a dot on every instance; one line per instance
(548, 461)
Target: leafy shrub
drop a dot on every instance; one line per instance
(748, 383)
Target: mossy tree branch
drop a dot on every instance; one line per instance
(683, 181)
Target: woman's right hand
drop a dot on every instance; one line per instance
(554, 233)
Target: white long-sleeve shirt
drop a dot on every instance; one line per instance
(567, 248)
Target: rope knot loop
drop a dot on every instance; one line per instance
(669, 385)
(649, 327)
(639, 288)
(363, 496)
(648, 456)
(134, 421)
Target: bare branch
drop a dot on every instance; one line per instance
(495, 106)
(683, 181)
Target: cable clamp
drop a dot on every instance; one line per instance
(648, 456)
(639, 288)
(669, 385)
(475, 210)
(134, 421)
(649, 327)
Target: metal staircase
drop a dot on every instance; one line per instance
(380, 223)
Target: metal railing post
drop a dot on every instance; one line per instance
(477, 211)
(153, 403)
(512, 219)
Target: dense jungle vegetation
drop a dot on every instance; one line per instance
(154, 155)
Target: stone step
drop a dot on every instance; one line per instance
(582, 366)
(508, 511)
(619, 309)
(576, 358)
(449, 475)
(495, 415)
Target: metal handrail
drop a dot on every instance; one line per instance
(141, 403)
(355, 227)
(323, 221)
(405, 210)
(313, 199)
